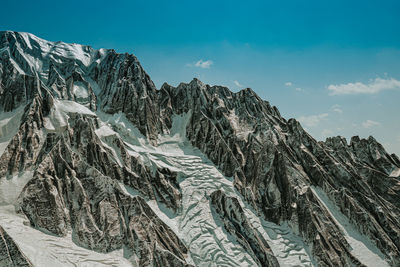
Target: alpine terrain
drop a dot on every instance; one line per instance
(100, 168)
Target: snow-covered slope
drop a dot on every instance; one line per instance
(9, 122)
(100, 168)
(35, 55)
(195, 224)
(47, 250)
(362, 247)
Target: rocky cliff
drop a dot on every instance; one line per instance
(94, 155)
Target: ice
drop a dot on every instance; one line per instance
(363, 248)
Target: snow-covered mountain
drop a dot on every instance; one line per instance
(99, 168)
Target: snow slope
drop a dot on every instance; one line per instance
(208, 242)
(363, 248)
(11, 187)
(54, 51)
(58, 118)
(80, 90)
(9, 124)
(45, 250)
(195, 223)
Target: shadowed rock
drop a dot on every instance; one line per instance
(81, 178)
(10, 254)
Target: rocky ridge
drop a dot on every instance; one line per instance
(93, 132)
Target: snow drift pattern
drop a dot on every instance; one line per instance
(101, 168)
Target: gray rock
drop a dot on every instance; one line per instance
(79, 177)
(10, 254)
(236, 223)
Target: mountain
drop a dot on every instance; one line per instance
(98, 167)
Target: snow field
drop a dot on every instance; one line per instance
(208, 242)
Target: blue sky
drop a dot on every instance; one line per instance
(334, 65)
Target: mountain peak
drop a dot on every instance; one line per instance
(168, 177)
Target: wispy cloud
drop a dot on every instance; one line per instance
(370, 123)
(373, 87)
(237, 84)
(288, 84)
(337, 108)
(313, 120)
(204, 64)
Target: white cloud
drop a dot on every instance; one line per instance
(204, 64)
(370, 123)
(288, 84)
(336, 108)
(312, 120)
(373, 87)
(237, 84)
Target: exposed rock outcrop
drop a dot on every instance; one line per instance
(236, 223)
(91, 134)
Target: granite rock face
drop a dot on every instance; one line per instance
(91, 128)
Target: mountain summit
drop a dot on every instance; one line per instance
(98, 167)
